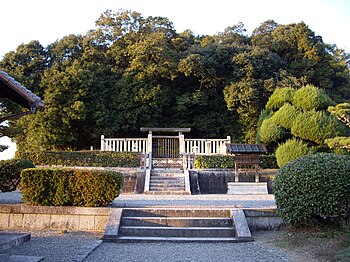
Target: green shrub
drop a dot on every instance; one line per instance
(280, 97)
(310, 97)
(84, 158)
(285, 116)
(10, 173)
(270, 131)
(317, 126)
(268, 162)
(70, 187)
(290, 150)
(217, 161)
(313, 187)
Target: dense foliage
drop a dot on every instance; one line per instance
(70, 187)
(10, 173)
(83, 158)
(132, 71)
(314, 188)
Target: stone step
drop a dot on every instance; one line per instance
(168, 192)
(167, 189)
(167, 178)
(167, 175)
(177, 212)
(176, 231)
(178, 239)
(177, 221)
(170, 185)
(10, 240)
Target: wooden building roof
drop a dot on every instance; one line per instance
(13, 90)
(246, 148)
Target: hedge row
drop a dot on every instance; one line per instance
(217, 161)
(70, 187)
(10, 173)
(83, 158)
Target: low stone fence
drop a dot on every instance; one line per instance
(22, 217)
(262, 219)
(214, 181)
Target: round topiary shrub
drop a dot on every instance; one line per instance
(310, 97)
(10, 173)
(313, 188)
(285, 116)
(270, 131)
(290, 150)
(279, 97)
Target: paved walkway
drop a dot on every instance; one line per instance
(210, 200)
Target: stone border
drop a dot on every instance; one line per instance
(22, 217)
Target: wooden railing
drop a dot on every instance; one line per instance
(124, 144)
(206, 146)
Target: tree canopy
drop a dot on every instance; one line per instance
(131, 71)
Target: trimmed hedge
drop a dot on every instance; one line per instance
(314, 188)
(217, 161)
(290, 150)
(10, 173)
(285, 116)
(83, 158)
(70, 187)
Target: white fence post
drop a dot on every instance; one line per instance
(102, 143)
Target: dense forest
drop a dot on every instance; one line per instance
(132, 71)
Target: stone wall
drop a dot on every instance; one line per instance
(206, 181)
(263, 219)
(22, 217)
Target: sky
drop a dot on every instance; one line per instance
(48, 20)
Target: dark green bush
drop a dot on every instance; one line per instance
(317, 126)
(83, 158)
(10, 173)
(310, 97)
(313, 188)
(279, 97)
(70, 187)
(290, 150)
(217, 161)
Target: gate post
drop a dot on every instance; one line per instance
(149, 149)
(102, 143)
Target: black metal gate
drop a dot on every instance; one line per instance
(166, 152)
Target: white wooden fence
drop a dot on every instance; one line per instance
(196, 146)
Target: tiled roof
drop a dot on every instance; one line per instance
(246, 148)
(10, 88)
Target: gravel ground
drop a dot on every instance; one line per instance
(176, 252)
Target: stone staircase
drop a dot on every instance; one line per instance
(167, 182)
(176, 225)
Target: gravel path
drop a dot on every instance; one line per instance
(214, 200)
(186, 252)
